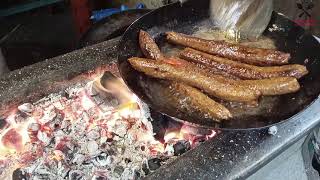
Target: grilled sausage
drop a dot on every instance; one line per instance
(255, 56)
(272, 86)
(184, 102)
(148, 47)
(151, 51)
(244, 71)
(193, 76)
(179, 99)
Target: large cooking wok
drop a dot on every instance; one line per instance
(188, 18)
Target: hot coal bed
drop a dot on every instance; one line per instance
(71, 117)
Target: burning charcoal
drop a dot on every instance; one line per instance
(120, 149)
(59, 134)
(93, 148)
(12, 139)
(62, 169)
(21, 117)
(26, 108)
(79, 128)
(49, 115)
(99, 178)
(70, 151)
(100, 174)
(18, 174)
(44, 138)
(33, 129)
(109, 160)
(65, 124)
(76, 139)
(41, 176)
(56, 123)
(102, 159)
(72, 92)
(90, 90)
(181, 147)
(130, 173)
(58, 105)
(118, 170)
(154, 163)
(42, 173)
(93, 135)
(78, 159)
(76, 175)
(121, 128)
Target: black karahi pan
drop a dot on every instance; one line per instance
(188, 18)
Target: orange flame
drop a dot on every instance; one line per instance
(14, 139)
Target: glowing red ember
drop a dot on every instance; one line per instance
(13, 140)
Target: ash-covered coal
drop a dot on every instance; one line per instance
(91, 130)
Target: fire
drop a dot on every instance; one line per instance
(39, 131)
(57, 155)
(173, 136)
(86, 102)
(190, 133)
(14, 138)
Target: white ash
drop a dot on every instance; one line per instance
(26, 108)
(80, 133)
(49, 115)
(93, 148)
(93, 134)
(81, 140)
(44, 138)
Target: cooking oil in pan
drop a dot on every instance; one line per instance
(270, 108)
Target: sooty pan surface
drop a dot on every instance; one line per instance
(193, 15)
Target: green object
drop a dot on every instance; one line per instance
(26, 7)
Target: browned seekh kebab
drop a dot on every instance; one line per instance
(183, 75)
(183, 99)
(151, 51)
(242, 70)
(255, 56)
(176, 70)
(274, 84)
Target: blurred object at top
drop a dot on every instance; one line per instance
(305, 13)
(100, 14)
(242, 19)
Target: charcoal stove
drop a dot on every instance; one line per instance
(228, 155)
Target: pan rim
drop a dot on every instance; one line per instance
(291, 119)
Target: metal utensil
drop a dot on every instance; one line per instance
(241, 18)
